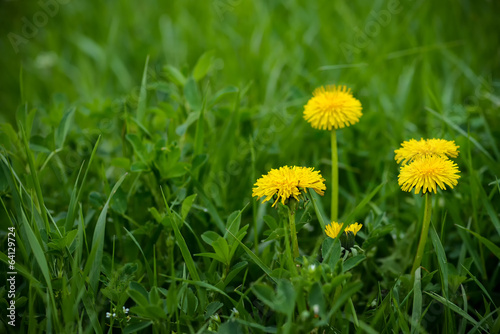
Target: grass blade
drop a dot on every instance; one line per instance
(255, 258)
(416, 314)
(148, 267)
(362, 204)
(94, 262)
(77, 191)
(452, 306)
(318, 208)
(181, 242)
(491, 246)
(441, 257)
(459, 130)
(141, 107)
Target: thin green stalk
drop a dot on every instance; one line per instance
(289, 257)
(293, 232)
(423, 234)
(254, 203)
(335, 177)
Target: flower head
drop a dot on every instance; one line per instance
(332, 230)
(332, 107)
(412, 150)
(287, 182)
(427, 172)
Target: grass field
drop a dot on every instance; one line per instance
(132, 136)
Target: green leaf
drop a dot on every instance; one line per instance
(138, 147)
(285, 297)
(119, 201)
(235, 271)
(362, 204)
(209, 237)
(138, 297)
(189, 302)
(192, 117)
(459, 130)
(491, 246)
(187, 204)
(198, 162)
(141, 106)
(265, 293)
(452, 307)
(95, 258)
(38, 253)
(148, 267)
(121, 163)
(353, 262)
(222, 249)
(199, 139)
(347, 291)
(282, 301)
(39, 148)
(153, 312)
(64, 242)
(233, 223)
(480, 285)
(441, 257)
(221, 94)
(209, 205)
(10, 135)
(77, 190)
(416, 314)
(192, 94)
(318, 208)
(254, 258)
(212, 308)
(138, 166)
(203, 65)
(62, 129)
(316, 297)
(331, 250)
(175, 75)
(214, 256)
(181, 242)
(275, 234)
(135, 328)
(271, 222)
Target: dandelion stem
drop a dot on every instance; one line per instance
(424, 233)
(293, 233)
(335, 177)
(289, 256)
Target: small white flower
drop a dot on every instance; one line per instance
(108, 314)
(316, 309)
(114, 315)
(235, 311)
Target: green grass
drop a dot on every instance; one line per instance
(131, 137)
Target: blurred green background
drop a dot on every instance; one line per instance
(96, 49)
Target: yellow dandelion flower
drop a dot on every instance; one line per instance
(413, 149)
(332, 230)
(332, 107)
(427, 172)
(354, 228)
(287, 182)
